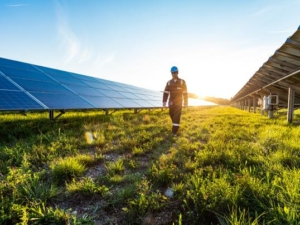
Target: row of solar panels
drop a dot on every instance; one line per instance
(25, 86)
(281, 71)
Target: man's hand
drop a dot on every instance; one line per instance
(164, 104)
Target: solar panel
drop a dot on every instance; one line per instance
(33, 87)
(25, 74)
(56, 101)
(95, 84)
(16, 64)
(103, 102)
(155, 103)
(84, 78)
(129, 95)
(85, 91)
(144, 103)
(6, 84)
(115, 87)
(39, 86)
(61, 76)
(128, 103)
(17, 100)
(111, 93)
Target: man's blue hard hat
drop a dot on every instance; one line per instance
(174, 69)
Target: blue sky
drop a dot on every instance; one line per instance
(217, 45)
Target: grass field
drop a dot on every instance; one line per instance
(226, 166)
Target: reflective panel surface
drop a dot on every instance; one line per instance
(28, 86)
(17, 100)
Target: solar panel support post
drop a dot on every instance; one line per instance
(290, 111)
(52, 117)
(262, 110)
(24, 112)
(249, 104)
(271, 112)
(254, 104)
(107, 111)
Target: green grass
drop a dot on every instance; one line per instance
(226, 166)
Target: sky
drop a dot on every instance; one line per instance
(217, 45)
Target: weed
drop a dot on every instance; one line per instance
(115, 167)
(64, 169)
(86, 188)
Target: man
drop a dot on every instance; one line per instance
(176, 93)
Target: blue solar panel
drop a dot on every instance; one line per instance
(17, 100)
(127, 103)
(25, 74)
(84, 78)
(155, 103)
(51, 71)
(103, 81)
(115, 88)
(68, 80)
(87, 91)
(156, 98)
(39, 86)
(59, 101)
(111, 94)
(62, 76)
(103, 102)
(97, 85)
(127, 90)
(6, 84)
(16, 64)
(144, 103)
(146, 97)
(129, 95)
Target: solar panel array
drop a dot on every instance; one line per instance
(280, 72)
(26, 86)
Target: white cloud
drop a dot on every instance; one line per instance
(85, 55)
(69, 40)
(75, 51)
(101, 62)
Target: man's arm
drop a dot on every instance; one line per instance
(166, 95)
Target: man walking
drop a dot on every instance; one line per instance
(176, 93)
